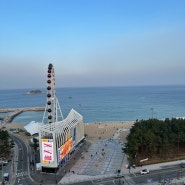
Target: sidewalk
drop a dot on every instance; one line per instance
(70, 177)
(101, 160)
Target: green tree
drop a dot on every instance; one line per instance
(148, 138)
(5, 143)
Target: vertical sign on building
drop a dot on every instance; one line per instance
(47, 151)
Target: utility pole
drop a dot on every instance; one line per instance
(2, 170)
(152, 109)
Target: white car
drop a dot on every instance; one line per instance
(144, 171)
(119, 175)
(5, 162)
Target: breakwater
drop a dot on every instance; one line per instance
(16, 111)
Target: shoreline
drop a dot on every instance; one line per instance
(15, 112)
(95, 131)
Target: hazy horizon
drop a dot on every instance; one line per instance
(92, 43)
(68, 87)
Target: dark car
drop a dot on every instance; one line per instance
(182, 165)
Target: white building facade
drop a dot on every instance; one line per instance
(57, 140)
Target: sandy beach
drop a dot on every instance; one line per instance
(116, 130)
(97, 131)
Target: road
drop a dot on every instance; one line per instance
(168, 173)
(20, 166)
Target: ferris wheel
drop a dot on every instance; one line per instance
(52, 111)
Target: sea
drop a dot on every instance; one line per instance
(102, 104)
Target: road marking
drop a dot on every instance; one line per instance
(21, 174)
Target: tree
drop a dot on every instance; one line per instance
(148, 138)
(6, 144)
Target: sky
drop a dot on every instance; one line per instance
(92, 42)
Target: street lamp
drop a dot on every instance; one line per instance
(2, 170)
(152, 109)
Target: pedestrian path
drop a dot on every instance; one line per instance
(101, 160)
(94, 165)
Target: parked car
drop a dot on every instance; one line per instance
(5, 161)
(182, 165)
(6, 176)
(144, 171)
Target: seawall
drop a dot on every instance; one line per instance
(22, 109)
(16, 111)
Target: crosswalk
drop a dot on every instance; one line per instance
(21, 174)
